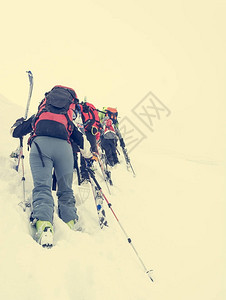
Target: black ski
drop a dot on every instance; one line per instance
(124, 150)
(128, 162)
(104, 168)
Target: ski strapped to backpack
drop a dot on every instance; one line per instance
(30, 76)
(55, 114)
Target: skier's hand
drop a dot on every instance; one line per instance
(18, 122)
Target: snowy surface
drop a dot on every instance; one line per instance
(173, 211)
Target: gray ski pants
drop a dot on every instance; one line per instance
(57, 154)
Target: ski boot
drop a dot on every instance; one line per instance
(44, 234)
(74, 225)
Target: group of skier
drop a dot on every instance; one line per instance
(101, 130)
(62, 128)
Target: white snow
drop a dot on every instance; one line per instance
(172, 210)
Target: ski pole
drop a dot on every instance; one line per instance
(25, 203)
(123, 230)
(30, 76)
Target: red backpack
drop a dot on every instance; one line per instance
(55, 113)
(112, 113)
(90, 116)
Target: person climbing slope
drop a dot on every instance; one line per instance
(51, 130)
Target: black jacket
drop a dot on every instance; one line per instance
(26, 127)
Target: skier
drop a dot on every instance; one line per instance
(91, 124)
(51, 148)
(108, 135)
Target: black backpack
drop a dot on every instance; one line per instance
(55, 113)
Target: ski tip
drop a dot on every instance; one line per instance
(47, 246)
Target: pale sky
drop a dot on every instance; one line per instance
(115, 52)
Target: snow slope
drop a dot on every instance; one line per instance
(172, 211)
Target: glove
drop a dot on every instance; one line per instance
(122, 144)
(18, 122)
